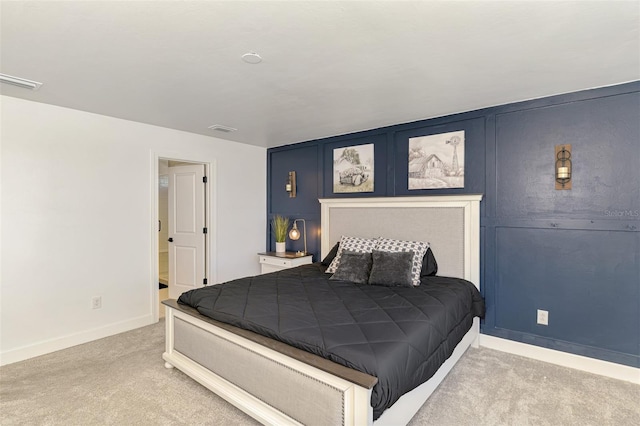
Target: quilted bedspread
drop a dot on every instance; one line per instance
(401, 335)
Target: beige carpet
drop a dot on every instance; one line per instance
(121, 380)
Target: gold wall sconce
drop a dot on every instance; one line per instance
(291, 185)
(294, 234)
(563, 166)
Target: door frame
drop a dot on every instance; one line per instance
(210, 217)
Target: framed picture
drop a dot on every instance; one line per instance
(353, 169)
(436, 161)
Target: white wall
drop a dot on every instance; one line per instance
(77, 221)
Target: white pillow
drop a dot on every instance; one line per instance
(357, 244)
(419, 248)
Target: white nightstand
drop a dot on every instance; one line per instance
(272, 261)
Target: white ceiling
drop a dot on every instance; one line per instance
(329, 68)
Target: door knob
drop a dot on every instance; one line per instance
(170, 240)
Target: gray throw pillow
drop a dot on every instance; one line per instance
(392, 269)
(353, 267)
(357, 244)
(419, 248)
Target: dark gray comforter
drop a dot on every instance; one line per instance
(400, 335)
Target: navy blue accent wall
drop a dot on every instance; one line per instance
(305, 161)
(574, 253)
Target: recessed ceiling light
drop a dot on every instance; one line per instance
(221, 128)
(251, 58)
(20, 82)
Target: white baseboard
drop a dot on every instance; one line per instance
(565, 359)
(64, 342)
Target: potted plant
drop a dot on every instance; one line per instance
(280, 225)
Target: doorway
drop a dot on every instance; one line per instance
(182, 228)
(163, 233)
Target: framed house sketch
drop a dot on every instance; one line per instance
(436, 161)
(353, 169)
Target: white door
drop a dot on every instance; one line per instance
(187, 229)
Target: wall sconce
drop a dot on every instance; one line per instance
(294, 234)
(291, 185)
(563, 166)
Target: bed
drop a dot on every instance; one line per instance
(277, 383)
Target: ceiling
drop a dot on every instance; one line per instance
(329, 67)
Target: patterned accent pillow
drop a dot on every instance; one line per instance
(356, 244)
(419, 248)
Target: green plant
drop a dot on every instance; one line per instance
(280, 225)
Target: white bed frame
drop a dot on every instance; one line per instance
(280, 385)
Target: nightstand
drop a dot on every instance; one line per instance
(272, 261)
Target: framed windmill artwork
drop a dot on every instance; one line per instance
(437, 161)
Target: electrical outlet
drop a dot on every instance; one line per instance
(543, 317)
(96, 302)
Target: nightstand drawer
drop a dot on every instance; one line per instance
(272, 262)
(276, 261)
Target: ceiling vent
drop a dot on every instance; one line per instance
(20, 82)
(223, 129)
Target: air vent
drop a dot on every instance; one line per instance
(223, 129)
(20, 82)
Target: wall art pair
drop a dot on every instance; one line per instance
(434, 162)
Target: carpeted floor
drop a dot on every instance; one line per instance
(121, 380)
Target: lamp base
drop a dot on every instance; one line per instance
(300, 253)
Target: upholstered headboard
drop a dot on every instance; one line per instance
(450, 223)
